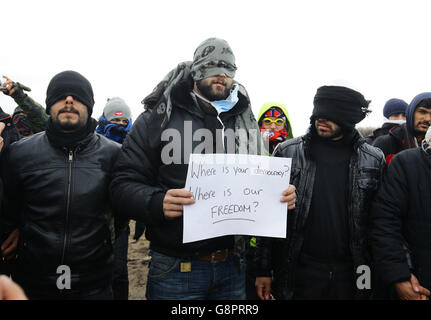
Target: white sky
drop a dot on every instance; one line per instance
(284, 50)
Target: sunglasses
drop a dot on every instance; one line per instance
(278, 122)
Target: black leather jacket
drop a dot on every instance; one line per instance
(280, 255)
(59, 200)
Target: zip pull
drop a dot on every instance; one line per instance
(70, 155)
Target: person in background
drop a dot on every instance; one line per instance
(274, 124)
(29, 117)
(410, 134)
(115, 124)
(394, 113)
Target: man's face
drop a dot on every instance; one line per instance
(216, 87)
(422, 120)
(328, 129)
(397, 116)
(121, 121)
(69, 115)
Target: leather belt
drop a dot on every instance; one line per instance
(217, 256)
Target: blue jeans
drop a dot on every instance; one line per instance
(224, 280)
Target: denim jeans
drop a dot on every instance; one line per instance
(224, 280)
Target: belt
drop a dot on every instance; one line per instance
(217, 256)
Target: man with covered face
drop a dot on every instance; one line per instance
(57, 196)
(401, 217)
(197, 108)
(336, 175)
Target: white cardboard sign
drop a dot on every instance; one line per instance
(236, 195)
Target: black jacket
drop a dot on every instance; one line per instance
(385, 129)
(59, 200)
(401, 214)
(395, 141)
(280, 255)
(141, 179)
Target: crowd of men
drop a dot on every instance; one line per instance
(71, 184)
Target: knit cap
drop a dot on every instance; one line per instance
(212, 57)
(116, 108)
(394, 106)
(69, 83)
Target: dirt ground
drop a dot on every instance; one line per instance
(137, 271)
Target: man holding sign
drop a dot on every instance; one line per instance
(336, 174)
(197, 109)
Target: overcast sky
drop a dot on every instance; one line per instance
(284, 50)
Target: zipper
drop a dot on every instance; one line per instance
(69, 189)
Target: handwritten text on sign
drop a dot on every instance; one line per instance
(236, 194)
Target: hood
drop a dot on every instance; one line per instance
(411, 110)
(267, 106)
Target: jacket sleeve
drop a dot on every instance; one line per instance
(9, 217)
(386, 144)
(134, 190)
(36, 114)
(388, 209)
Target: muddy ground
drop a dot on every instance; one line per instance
(137, 271)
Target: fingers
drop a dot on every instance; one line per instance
(9, 290)
(260, 291)
(9, 90)
(263, 288)
(10, 244)
(417, 287)
(174, 201)
(289, 196)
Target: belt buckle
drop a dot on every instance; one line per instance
(212, 259)
(223, 255)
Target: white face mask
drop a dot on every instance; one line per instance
(227, 104)
(426, 143)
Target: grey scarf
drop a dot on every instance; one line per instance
(248, 139)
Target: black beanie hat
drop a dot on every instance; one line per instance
(70, 83)
(344, 106)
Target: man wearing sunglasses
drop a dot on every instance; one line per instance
(196, 104)
(274, 124)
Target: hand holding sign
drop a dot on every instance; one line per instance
(174, 201)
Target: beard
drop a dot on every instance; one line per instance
(67, 124)
(331, 132)
(212, 92)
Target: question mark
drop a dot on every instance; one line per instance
(287, 170)
(256, 204)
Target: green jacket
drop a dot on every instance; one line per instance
(36, 114)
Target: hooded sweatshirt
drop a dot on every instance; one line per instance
(402, 137)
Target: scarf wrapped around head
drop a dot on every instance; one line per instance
(159, 103)
(341, 105)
